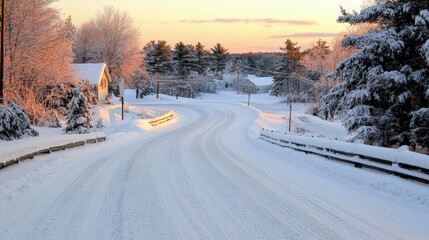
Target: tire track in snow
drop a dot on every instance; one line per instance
(188, 183)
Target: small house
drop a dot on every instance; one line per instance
(263, 84)
(248, 87)
(98, 76)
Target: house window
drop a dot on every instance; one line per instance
(103, 83)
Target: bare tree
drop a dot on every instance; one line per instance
(38, 55)
(84, 46)
(111, 37)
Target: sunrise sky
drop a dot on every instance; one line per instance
(240, 25)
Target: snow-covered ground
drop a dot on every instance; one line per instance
(274, 114)
(205, 175)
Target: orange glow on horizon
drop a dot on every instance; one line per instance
(239, 25)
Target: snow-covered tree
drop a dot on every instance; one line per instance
(111, 37)
(142, 84)
(201, 59)
(420, 127)
(183, 59)
(85, 46)
(184, 62)
(38, 54)
(315, 61)
(157, 59)
(384, 93)
(219, 59)
(14, 123)
(79, 114)
(284, 80)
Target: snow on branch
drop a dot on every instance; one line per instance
(358, 116)
(425, 51)
(373, 14)
(423, 18)
(369, 133)
(358, 96)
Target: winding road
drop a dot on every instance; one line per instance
(203, 177)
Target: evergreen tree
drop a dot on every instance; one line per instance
(14, 123)
(384, 93)
(79, 114)
(183, 58)
(88, 91)
(142, 84)
(157, 59)
(201, 59)
(219, 59)
(184, 62)
(283, 82)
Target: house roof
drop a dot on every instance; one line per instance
(260, 81)
(247, 82)
(91, 71)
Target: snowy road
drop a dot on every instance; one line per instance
(205, 177)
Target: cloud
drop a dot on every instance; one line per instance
(251, 20)
(305, 35)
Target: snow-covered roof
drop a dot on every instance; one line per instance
(91, 71)
(260, 81)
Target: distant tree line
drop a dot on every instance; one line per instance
(185, 70)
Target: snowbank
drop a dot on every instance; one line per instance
(150, 123)
(138, 118)
(15, 150)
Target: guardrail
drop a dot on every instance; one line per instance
(400, 162)
(51, 149)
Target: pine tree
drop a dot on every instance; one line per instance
(184, 62)
(384, 94)
(289, 64)
(183, 58)
(219, 59)
(157, 59)
(201, 59)
(79, 114)
(14, 123)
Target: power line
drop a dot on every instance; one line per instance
(300, 77)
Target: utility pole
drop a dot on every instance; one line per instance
(157, 84)
(248, 100)
(121, 94)
(238, 77)
(290, 112)
(2, 51)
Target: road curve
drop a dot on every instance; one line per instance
(191, 181)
